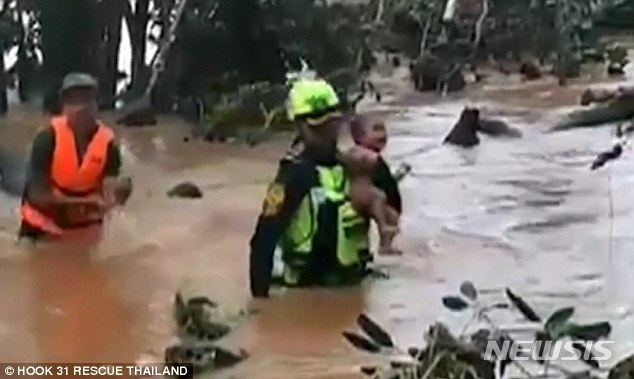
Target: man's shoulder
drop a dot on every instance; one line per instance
(292, 155)
(292, 165)
(294, 159)
(295, 168)
(44, 137)
(45, 129)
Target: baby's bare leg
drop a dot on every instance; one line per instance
(393, 218)
(386, 220)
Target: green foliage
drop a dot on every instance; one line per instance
(327, 37)
(447, 356)
(617, 55)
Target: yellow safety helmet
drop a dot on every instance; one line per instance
(312, 100)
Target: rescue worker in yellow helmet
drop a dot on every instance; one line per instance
(307, 210)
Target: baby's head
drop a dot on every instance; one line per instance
(368, 132)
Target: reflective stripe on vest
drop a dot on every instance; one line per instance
(352, 229)
(68, 176)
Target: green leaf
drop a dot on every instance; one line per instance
(454, 303)
(361, 342)
(556, 323)
(468, 290)
(589, 332)
(374, 331)
(368, 370)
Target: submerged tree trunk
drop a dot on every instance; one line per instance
(4, 104)
(137, 23)
(114, 11)
(22, 64)
(166, 42)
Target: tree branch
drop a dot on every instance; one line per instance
(480, 23)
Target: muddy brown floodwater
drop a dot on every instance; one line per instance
(522, 213)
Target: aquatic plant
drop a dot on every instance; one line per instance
(447, 356)
(197, 332)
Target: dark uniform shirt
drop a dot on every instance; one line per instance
(295, 177)
(40, 168)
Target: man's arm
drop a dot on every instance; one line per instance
(113, 161)
(111, 174)
(38, 185)
(385, 181)
(282, 200)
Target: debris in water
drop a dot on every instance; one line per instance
(617, 149)
(186, 190)
(194, 318)
(203, 358)
(197, 332)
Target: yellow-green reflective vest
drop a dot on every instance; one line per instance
(352, 229)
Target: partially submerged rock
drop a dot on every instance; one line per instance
(530, 71)
(498, 128)
(464, 132)
(186, 190)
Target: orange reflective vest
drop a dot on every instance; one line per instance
(70, 178)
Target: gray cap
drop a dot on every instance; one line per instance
(78, 80)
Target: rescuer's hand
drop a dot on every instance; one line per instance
(117, 191)
(122, 190)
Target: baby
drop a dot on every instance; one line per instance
(360, 160)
